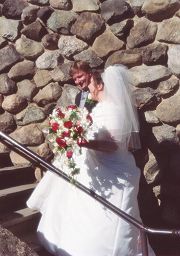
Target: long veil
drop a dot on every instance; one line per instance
(118, 91)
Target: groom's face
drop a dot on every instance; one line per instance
(82, 79)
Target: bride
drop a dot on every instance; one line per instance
(74, 224)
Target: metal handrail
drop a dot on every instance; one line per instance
(143, 229)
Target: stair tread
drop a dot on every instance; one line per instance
(12, 168)
(8, 191)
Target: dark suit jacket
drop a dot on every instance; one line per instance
(88, 106)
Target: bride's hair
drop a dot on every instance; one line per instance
(97, 77)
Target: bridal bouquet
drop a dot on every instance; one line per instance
(67, 130)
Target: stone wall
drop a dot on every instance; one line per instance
(39, 39)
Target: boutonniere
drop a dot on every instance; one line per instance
(89, 100)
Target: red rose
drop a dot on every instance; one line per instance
(66, 134)
(54, 126)
(72, 107)
(61, 142)
(69, 153)
(79, 129)
(88, 117)
(81, 142)
(68, 124)
(60, 113)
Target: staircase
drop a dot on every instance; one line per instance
(16, 185)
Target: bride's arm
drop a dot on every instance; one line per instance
(100, 145)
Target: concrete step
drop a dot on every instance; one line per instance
(14, 198)
(16, 175)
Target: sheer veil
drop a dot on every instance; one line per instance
(118, 91)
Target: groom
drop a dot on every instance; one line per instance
(81, 73)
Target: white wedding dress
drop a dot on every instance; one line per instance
(74, 224)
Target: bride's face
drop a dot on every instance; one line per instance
(95, 89)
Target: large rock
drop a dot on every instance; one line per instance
(33, 114)
(34, 31)
(68, 95)
(168, 31)
(22, 70)
(121, 29)
(60, 21)
(145, 98)
(49, 60)
(60, 4)
(29, 14)
(142, 33)
(26, 89)
(29, 135)
(114, 10)
(49, 93)
(42, 78)
(7, 86)
(39, 2)
(169, 86)
(61, 73)
(70, 45)
(9, 28)
(7, 123)
(148, 75)
(89, 56)
(165, 135)
(173, 59)
(151, 169)
(50, 41)
(8, 57)
(85, 5)
(28, 48)
(13, 8)
(87, 25)
(14, 103)
(10, 245)
(106, 43)
(168, 110)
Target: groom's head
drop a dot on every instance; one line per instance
(81, 74)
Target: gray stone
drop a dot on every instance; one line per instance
(10, 245)
(39, 2)
(168, 110)
(87, 26)
(136, 5)
(168, 31)
(107, 43)
(14, 103)
(60, 4)
(68, 95)
(13, 8)
(159, 10)
(61, 73)
(165, 134)
(7, 123)
(60, 21)
(114, 9)
(26, 89)
(8, 57)
(85, 5)
(7, 86)
(3, 42)
(173, 59)
(121, 29)
(124, 57)
(166, 87)
(34, 31)
(49, 93)
(50, 41)
(29, 135)
(151, 169)
(44, 13)
(145, 97)
(142, 33)
(33, 114)
(49, 60)
(18, 159)
(28, 48)
(89, 56)
(22, 70)
(151, 117)
(42, 78)
(70, 45)
(148, 75)
(29, 14)
(9, 28)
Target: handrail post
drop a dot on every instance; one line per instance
(144, 244)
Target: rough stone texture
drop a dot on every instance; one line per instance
(90, 56)
(42, 78)
(9, 28)
(136, 5)
(61, 73)
(145, 97)
(107, 43)
(22, 70)
(26, 89)
(3, 42)
(68, 95)
(151, 117)
(29, 48)
(7, 123)
(86, 5)
(151, 169)
(18, 159)
(173, 59)
(168, 31)
(60, 4)
(39, 2)
(70, 45)
(13, 8)
(50, 41)
(49, 60)
(60, 21)
(49, 93)
(121, 29)
(148, 75)
(33, 114)
(34, 31)
(114, 9)
(29, 14)
(7, 86)
(168, 110)
(142, 33)
(10, 245)
(165, 134)
(165, 88)
(8, 57)
(87, 25)
(14, 103)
